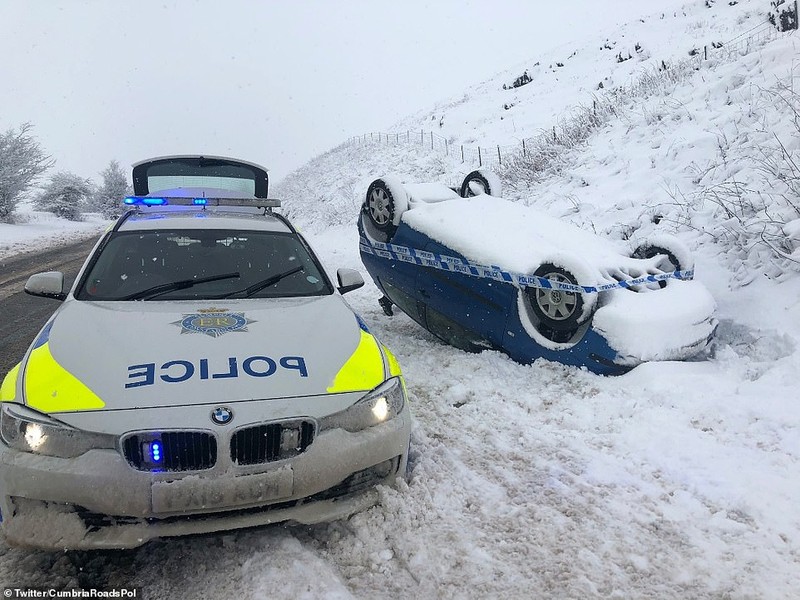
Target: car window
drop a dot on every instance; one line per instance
(187, 172)
(132, 263)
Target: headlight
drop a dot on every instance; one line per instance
(29, 431)
(382, 404)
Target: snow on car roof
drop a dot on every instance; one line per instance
(493, 231)
(216, 218)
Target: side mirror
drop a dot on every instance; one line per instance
(349, 280)
(48, 285)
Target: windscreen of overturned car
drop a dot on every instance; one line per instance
(140, 265)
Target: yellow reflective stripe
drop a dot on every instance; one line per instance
(363, 370)
(49, 387)
(394, 366)
(9, 388)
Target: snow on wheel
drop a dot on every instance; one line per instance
(482, 181)
(386, 200)
(675, 255)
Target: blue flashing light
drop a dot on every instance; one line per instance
(146, 200)
(155, 452)
(200, 201)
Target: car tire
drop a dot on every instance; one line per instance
(558, 311)
(386, 200)
(678, 257)
(480, 182)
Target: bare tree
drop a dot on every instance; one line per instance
(22, 161)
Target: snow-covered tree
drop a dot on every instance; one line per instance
(108, 197)
(65, 195)
(22, 160)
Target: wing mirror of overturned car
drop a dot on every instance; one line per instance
(47, 285)
(349, 280)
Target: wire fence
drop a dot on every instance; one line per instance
(490, 156)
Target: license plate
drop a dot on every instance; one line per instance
(198, 493)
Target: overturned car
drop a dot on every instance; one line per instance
(480, 272)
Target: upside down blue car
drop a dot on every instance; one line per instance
(482, 273)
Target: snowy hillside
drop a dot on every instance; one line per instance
(677, 480)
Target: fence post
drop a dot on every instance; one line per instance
(462, 153)
(523, 148)
(499, 158)
(705, 52)
(446, 149)
(480, 160)
(431, 140)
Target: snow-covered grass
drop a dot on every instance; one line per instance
(676, 480)
(35, 230)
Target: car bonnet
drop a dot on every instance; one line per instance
(112, 355)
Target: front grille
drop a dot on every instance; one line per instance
(177, 451)
(271, 442)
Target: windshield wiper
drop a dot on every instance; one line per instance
(158, 290)
(264, 283)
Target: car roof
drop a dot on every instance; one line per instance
(183, 217)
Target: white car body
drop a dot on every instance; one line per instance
(128, 420)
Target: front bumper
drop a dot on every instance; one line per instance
(98, 500)
(673, 323)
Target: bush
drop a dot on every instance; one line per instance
(785, 19)
(65, 195)
(755, 217)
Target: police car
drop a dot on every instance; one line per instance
(202, 374)
(481, 273)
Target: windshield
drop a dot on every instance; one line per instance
(202, 264)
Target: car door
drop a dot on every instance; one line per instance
(467, 312)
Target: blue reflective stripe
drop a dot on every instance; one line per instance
(459, 265)
(44, 336)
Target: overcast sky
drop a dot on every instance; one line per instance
(272, 82)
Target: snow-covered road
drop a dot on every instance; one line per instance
(676, 480)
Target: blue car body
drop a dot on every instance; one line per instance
(468, 312)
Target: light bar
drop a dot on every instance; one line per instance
(181, 201)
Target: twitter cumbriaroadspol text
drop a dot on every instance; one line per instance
(51, 593)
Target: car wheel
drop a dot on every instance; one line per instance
(676, 256)
(670, 263)
(557, 310)
(386, 200)
(480, 182)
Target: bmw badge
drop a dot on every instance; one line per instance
(222, 415)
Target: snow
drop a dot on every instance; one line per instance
(678, 479)
(39, 230)
(492, 231)
(657, 325)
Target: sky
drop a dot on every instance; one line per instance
(274, 82)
